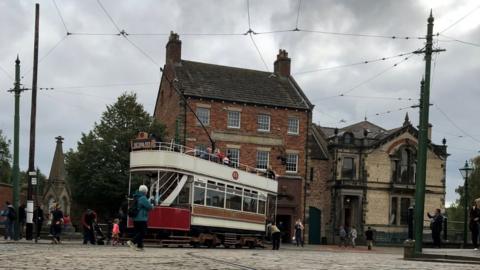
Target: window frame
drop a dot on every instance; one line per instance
(229, 119)
(297, 126)
(234, 163)
(287, 164)
(267, 116)
(200, 115)
(257, 159)
(353, 169)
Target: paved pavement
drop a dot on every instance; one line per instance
(72, 255)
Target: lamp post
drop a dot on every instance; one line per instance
(465, 171)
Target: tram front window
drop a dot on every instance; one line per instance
(261, 203)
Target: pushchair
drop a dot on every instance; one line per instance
(99, 235)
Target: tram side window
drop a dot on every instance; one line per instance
(262, 204)
(215, 195)
(199, 193)
(249, 202)
(234, 198)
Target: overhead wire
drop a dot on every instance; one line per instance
(249, 32)
(108, 15)
(455, 125)
(353, 64)
(142, 51)
(47, 53)
(98, 85)
(298, 13)
(61, 17)
(6, 72)
(460, 41)
(459, 20)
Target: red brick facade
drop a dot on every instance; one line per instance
(171, 110)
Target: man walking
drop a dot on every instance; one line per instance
(436, 226)
(141, 206)
(88, 218)
(10, 216)
(38, 219)
(369, 237)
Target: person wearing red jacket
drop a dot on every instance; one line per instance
(89, 217)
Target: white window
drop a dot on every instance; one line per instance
(204, 116)
(262, 160)
(233, 120)
(292, 125)
(263, 122)
(233, 155)
(292, 162)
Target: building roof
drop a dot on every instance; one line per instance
(239, 85)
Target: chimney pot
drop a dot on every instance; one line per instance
(174, 48)
(281, 66)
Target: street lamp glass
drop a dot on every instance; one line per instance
(466, 170)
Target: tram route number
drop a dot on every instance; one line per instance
(235, 175)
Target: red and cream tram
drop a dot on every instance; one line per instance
(198, 200)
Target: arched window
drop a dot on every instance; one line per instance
(404, 163)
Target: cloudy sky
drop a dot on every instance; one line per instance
(90, 70)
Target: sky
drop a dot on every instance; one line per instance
(91, 67)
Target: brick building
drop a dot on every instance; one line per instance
(367, 178)
(258, 118)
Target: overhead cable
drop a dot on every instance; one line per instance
(460, 41)
(259, 53)
(108, 15)
(61, 17)
(99, 85)
(298, 13)
(47, 53)
(459, 20)
(353, 64)
(6, 72)
(455, 125)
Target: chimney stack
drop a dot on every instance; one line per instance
(281, 66)
(174, 49)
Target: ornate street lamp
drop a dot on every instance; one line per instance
(466, 171)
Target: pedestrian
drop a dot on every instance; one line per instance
(22, 219)
(38, 219)
(436, 227)
(10, 214)
(89, 217)
(353, 235)
(57, 223)
(115, 232)
(475, 222)
(369, 237)
(140, 218)
(299, 233)
(343, 236)
(123, 222)
(276, 233)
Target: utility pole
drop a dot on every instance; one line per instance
(423, 139)
(31, 155)
(16, 132)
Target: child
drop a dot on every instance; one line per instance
(115, 232)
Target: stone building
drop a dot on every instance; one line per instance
(367, 178)
(56, 189)
(258, 118)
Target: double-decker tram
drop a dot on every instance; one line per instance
(198, 200)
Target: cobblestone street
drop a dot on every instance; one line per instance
(76, 256)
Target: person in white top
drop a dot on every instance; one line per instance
(353, 235)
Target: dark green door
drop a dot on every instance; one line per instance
(314, 222)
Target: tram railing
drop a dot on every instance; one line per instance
(173, 147)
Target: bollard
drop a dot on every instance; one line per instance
(409, 249)
(410, 222)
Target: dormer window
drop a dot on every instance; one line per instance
(348, 138)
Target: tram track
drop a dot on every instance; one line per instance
(239, 266)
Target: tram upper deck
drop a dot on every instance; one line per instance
(150, 155)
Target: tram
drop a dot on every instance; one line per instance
(199, 201)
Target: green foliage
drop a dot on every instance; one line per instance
(98, 169)
(5, 156)
(456, 211)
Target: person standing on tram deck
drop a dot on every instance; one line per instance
(140, 220)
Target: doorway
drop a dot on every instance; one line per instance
(314, 225)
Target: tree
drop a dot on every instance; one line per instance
(98, 169)
(5, 156)
(456, 211)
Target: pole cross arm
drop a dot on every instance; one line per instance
(433, 51)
